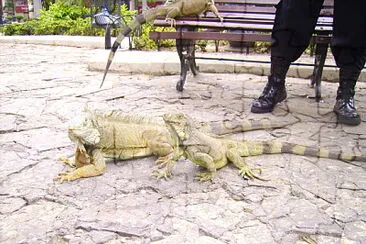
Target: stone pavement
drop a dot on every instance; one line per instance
(307, 200)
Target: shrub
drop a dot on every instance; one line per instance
(60, 19)
(62, 11)
(144, 42)
(26, 28)
(19, 17)
(66, 19)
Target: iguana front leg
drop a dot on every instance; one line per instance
(170, 17)
(213, 9)
(81, 158)
(68, 161)
(95, 168)
(167, 153)
(244, 169)
(164, 170)
(204, 160)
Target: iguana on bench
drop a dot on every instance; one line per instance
(178, 8)
(213, 152)
(120, 136)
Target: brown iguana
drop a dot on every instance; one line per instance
(120, 136)
(170, 11)
(213, 152)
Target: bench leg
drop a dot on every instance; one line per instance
(320, 55)
(186, 53)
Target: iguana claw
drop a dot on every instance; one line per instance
(172, 21)
(205, 176)
(67, 161)
(163, 173)
(161, 162)
(63, 176)
(248, 172)
(68, 175)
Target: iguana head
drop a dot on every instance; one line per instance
(179, 123)
(83, 130)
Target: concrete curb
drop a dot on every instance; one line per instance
(92, 42)
(167, 63)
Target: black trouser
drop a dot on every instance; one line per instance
(295, 21)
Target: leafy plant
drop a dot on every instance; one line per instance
(19, 17)
(62, 11)
(144, 42)
(26, 28)
(60, 19)
(65, 19)
(128, 13)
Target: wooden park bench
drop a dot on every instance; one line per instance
(254, 19)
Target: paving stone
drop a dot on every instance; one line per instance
(43, 88)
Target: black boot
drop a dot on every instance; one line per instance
(275, 90)
(345, 105)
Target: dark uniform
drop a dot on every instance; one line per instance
(294, 25)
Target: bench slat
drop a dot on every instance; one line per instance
(241, 37)
(256, 9)
(327, 3)
(229, 25)
(246, 8)
(262, 17)
(254, 2)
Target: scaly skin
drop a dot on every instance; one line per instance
(119, 136)
(213, 152)
(178, 8)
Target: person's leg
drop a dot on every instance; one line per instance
(294, 24)
(349, 50)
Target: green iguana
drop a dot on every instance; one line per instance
(213, 152)
(120, 136)
(170, 11)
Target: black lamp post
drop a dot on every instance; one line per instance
(1, 12)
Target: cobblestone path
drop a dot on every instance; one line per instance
(307, 200)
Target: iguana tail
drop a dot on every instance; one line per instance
(233, 126)
(149, 15)
(253, 148)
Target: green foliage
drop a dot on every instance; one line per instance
(66, 19)
(130, 14)
(262, 47)
(19, 17)
(144, 42)
(202, 45)
(26, 28)
(60, 19)
(73, 2)
(9, 4)
(62, 11)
